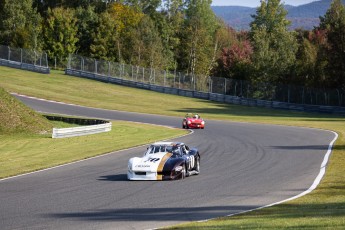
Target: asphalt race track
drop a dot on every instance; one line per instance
(243, 167)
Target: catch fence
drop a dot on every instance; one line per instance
(24, 59)
(206, 84)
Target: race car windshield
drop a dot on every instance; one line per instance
(163, 148)
(158, 148)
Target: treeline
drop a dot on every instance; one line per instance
(182, 35)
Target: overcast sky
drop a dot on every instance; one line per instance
(256, 3)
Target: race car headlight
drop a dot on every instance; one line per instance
(189, 122)
(203, 122)
(178, 168)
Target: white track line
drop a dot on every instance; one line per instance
(309, 190)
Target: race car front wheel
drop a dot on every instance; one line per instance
(197, 165)
(183, 172)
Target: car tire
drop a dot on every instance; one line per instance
(183, 172)
(187, 171)
(197, 165)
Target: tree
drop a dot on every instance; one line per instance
(310, 58)
(235, 61)
(126, 20)
(87, 25)
(197, 49)
(20, 24)
(274, 46)
(148, 50)
(105, 39)
(170, 27)
(148, 7)
(334, 24)
(43, 5)
(60, 33)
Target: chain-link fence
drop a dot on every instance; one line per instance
(225, 86)
(24, 59)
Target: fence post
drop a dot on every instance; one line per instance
(210, 88)
(132, 73)
(9, 53)
(303, 102)
(108, 68)
(174, 78)
(95, 66)
(46, 59)
(224, 86)
(69, 61)
(143, 74)
(164, 77)
(194, 82)
(21, 56)
(154, 76)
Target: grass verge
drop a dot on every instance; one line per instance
(22, 153)
(323, 208)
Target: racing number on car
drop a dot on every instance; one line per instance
(152, 160)
(191, 162)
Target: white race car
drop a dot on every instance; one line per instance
(165, 161)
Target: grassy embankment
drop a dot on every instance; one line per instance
(323, 208)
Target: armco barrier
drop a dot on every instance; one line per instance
(25, 66)
(211, 96)
(81, 131)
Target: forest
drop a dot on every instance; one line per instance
(185, 36)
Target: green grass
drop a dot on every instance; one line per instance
(16, 117)
(21, 153)
(324, 208)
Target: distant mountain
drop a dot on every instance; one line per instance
(303, 16)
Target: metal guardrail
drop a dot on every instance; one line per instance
(81, 131)
(210, 96)
(18, 58)
(24, 66)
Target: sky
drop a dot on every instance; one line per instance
(256, 3)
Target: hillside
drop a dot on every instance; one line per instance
(17, 118)
(303, 16)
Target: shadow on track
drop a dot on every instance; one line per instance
(119, 177)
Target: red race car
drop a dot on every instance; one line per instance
(193, 121)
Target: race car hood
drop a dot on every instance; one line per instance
(195, 120)
(151, 163)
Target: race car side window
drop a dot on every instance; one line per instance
(184, 151)
(150, 150)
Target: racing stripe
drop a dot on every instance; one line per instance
(161, 165)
